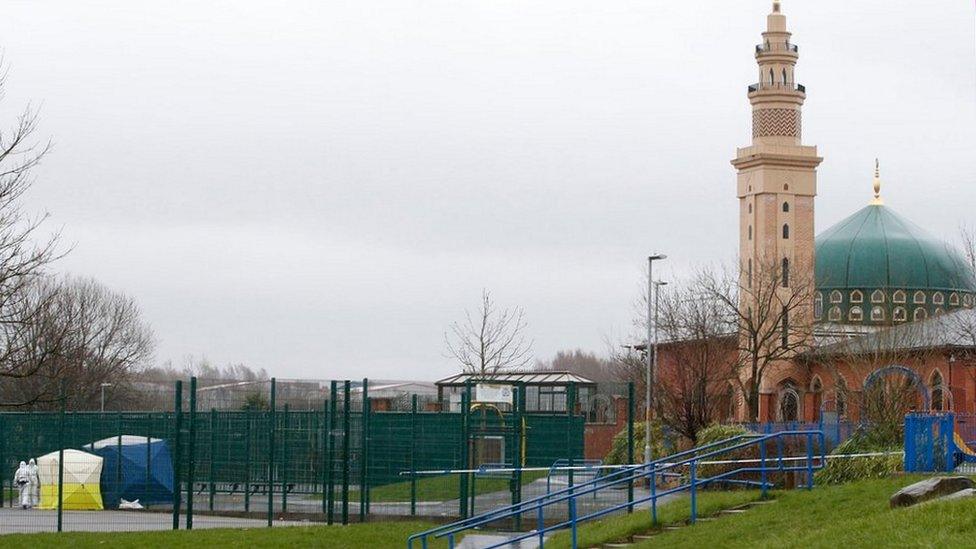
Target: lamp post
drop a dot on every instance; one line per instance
(104, 385)
(651, 335)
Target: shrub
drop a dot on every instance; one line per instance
(660, 444)
(862, 441)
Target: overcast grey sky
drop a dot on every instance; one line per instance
(319, 188)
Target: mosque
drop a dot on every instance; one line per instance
(876, 275)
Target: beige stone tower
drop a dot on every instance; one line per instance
(777, 177)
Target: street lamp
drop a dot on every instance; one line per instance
(651, 337)
(104, 385)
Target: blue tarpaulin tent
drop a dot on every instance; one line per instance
(134, 468)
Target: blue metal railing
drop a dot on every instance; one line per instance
(690, 459)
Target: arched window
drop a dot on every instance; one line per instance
(857, 297)
(856, 314)
(938, 398)
(786, 230)
(938, 298)
(786, 206)
(816, 387)
(749, 274)
(786, 273)
(836, 296)
(919, 298)
(786, 187)
(898, 296)
(938, 311)
(818, 306)
(772, 79)
(840, 397)
(899, 314)
(834, 315)
(920, 314)
(967, 300)
(789, 403)
(954, 299)
(784, 76)
(877, 314)
(877, 296)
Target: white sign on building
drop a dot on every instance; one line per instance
(486, 392)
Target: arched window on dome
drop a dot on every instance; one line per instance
(920, 314)
(818, 306)
(857, 296)
(938, 298)
(834, 315)
(877, 314)
(898, 296)
(919, 298)
(786, 230)
(938, 311)
(967, 300)
(836, 296)
(877, 296)
(899, 314)
(938, 396)
(954, 299)
(786, 207)
(856, 314)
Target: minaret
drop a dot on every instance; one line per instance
(777, 177)
(777, 183)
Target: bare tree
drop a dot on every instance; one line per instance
(490, 340)
(579, 362)
(83, 336)
(697, 360)
(771, 310)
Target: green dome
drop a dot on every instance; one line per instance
(875, 248)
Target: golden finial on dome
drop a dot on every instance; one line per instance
(877, 184)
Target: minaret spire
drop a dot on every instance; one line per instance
(877, 184)
(776, 6)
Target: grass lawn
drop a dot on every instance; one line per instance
(620, 527)
(440, 488)
(850, 515)
(372, 535)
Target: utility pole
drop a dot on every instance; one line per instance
(649, 353)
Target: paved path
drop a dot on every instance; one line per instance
(19, 521)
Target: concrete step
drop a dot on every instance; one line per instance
(732, 512)
(642, 537)
(619, 545)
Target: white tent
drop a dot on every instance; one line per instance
(82, 472)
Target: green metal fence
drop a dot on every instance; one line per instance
(332, 459)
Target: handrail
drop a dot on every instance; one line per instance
(650, 470)
(773, 47)
(788, 86)
(605, 481)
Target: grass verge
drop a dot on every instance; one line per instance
(848, 515)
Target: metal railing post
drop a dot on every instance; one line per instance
(285, 426)
(363, 453)
(61, 406)
(465, 459)
(653, 486)
(213, 451)
(762, 467)
(326, 456)
(247, 461)
(346, 386)
(330, 471)
(630, 442)
(413, 448)
(809, 461)
(694, 491)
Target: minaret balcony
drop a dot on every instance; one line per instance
(777, 48)
(777, 86)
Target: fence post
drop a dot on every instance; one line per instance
(570, 445)
(325, 456)
(191, 462)
(463, 480)
(213, 452)
(363, 452)
(118, 452)
(630, 443)
(177, 453)
(284, 460)
(694, 492)
(519, 432)
(3, 444)
(346, 386)
(271, 453)
(330, 471)
(247, 461)
(413, 448)
(61, 457)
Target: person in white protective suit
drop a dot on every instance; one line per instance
(34, 483)
(22, 482)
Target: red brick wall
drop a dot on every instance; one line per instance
(598, 438)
